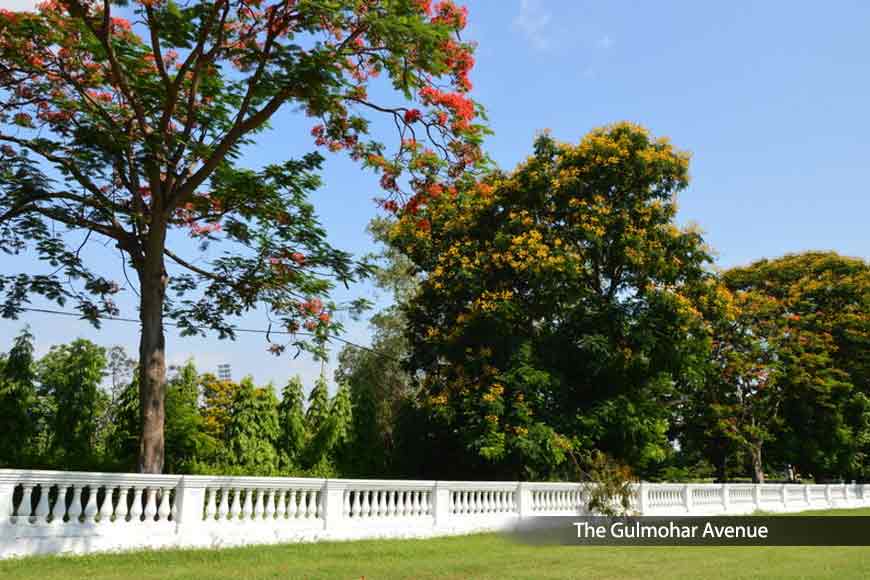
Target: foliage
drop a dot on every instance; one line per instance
(18, 401)
(252, 430)
(291, 419)
(561, 307)
(144, 126)
(611, 487)
(816, 319)
(186, 439)
(71, 375)
(381, 390)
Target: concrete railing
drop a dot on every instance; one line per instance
(79, 512)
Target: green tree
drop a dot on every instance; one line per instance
(145, 126)
(71, 375)
(186, 439)
(253, 430)
(18, 401)
(559, 310)
(291, 419)
(816, 320)
(381, 390)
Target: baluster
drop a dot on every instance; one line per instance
(164, 510)
(376, 503)
(281, 504)
(345, 503)
(499, 501)
(356, 507)
(26, 506)
(366, 505)
(106, 511)
(122, 510)
(425, 506)
(224, 505)
(259, 508)
(416, 506)
(42, 508)
(458, 503)
(318, 507)
(303, 503)
(210, 504)
(248, 506)
(75, 506)
(150, 504)
(407, 503)
(136, 507)
(391, 503)
(235, 504)
(403, 503)
(269, 509)
(91, 505)
(59, 510)
(466, 502)
(309, 504)
(292, 510)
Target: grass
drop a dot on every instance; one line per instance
(481, 556)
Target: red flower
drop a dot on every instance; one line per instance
(412, 116)
(298, 258)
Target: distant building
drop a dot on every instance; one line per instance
(225, 372)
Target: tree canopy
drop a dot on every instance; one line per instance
(559, 310)
(127, 121)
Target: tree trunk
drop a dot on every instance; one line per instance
(757, 469)
(152, 357)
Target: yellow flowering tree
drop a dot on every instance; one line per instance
(560, 309)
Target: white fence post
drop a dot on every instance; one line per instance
(441, 507)
(726, 501)
(332, 504)
(7, 489)
(524, 501)
(687, 500)
(828, 499)
(189, 502)
(641, 498)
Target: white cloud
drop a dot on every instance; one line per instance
(604, 42)
(532, 21)
(19, 5)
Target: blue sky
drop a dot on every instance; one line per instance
(769, 97)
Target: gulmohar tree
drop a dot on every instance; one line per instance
(560, 309)
(133, 131)
(812, 313)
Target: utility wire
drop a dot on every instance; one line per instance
(233, 328)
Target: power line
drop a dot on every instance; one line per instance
(233, 328)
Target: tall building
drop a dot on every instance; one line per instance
(225, 372)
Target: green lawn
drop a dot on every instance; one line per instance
(478, 556)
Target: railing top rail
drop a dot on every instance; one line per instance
(85, 477)
(252, 481)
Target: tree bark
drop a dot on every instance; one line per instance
(757, 468)
(152, 355)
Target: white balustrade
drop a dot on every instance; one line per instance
(53, 511)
